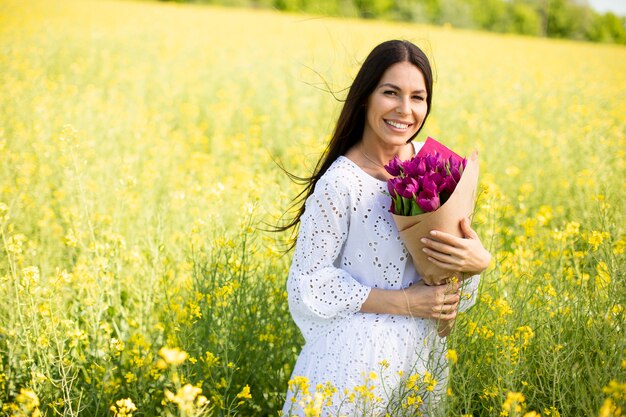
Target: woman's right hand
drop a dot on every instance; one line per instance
(437, 302)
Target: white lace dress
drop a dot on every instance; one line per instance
(348, 244)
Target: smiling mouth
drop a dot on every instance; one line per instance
(397, 125)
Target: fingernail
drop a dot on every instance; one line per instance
(424, 240)
(433, 233)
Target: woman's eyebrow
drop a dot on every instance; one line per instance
(395, 87)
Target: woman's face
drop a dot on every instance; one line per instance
(397, 107)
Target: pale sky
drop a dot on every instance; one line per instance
(616, 6)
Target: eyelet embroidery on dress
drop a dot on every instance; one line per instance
(348, 244)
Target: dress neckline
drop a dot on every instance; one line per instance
(362, 171)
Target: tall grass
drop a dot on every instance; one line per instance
(137, 144)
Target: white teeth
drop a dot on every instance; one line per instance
(397, 125)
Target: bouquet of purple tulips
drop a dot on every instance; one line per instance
(434, 190)
(424, 182)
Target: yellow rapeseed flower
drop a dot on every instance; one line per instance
(596, 238)
(28, 399)
(185, 398)
(544, 215)
(245, 393)
(616, 389)
(572, 229)
(123, 408)
(610, 409)
(430, 382)
(513, 402)
(117, 346)
(412, 381)
(210, 359)
(31, 276)
(414, 400)
(552, 412)
(524, 334)
(299, 384)
(173, 356)
(313, 408)
(328, 390)
(452, 356)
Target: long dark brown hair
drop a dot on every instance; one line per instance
(351, 123)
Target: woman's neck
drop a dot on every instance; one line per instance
(372, 159)
(380, 154)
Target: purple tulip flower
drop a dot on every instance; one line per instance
(449, 184)
(437, 179)
(433, 161)
(392, 186)
(394, 167)
(415, 167)
(455, 173)
(428, 200)
(408, 187)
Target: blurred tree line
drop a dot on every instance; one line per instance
(573, 19)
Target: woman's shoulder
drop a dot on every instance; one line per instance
(340, 175)
(333, 187)
(340, 167)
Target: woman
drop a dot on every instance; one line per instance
(369, 322)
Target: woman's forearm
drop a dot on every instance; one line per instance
(381, 301)
(433, 302)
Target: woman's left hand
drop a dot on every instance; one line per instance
(466, 254)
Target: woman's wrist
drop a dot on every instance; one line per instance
(486, 260)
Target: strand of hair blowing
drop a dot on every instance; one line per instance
(351, 122)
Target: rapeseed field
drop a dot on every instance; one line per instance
(138, 149)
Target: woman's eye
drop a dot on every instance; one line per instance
(418, 98)
(389, 92)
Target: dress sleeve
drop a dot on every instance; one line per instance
(469, 292)
(318, 288)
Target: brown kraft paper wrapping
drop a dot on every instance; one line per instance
(446, 218)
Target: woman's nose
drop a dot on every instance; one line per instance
(404, 107)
